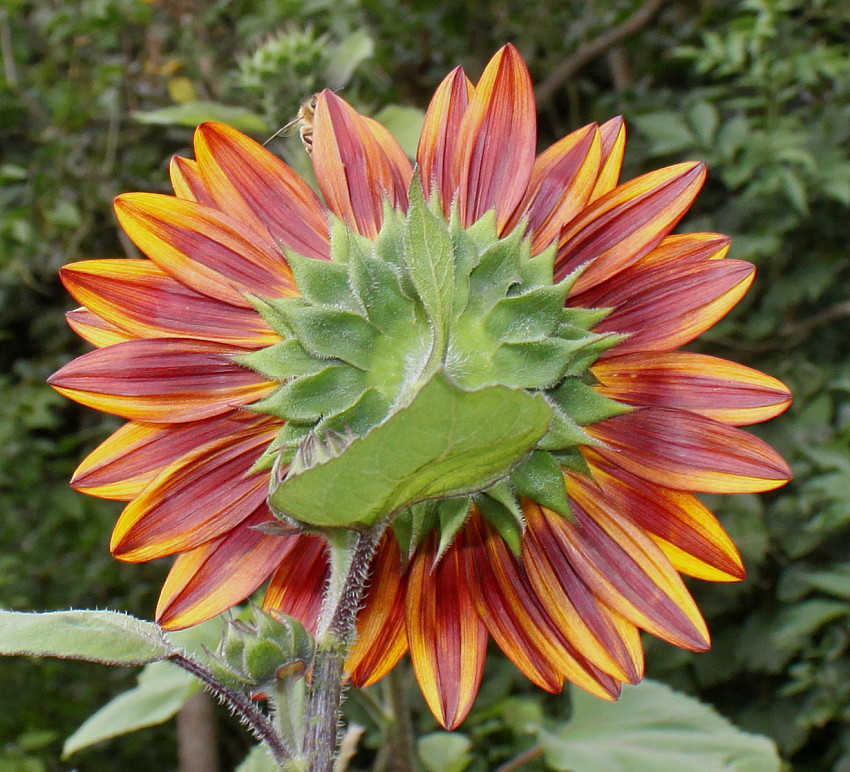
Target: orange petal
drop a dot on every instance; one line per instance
(204, 249)
(210, 579)
(438, 141)
(354, 171)
(667, 305)
(687, 246)
(448, 640)
(400, 164)
(261, 191)
(626, 571)
(622, 226)
(518, 620)
(678, 449)
(497, 140)
(561, 181)
(195, 499)
(706, 385)
(187, 181)
(298, 586)
(92, 329)
(122, 466)
(592, 628)
(681, 525)
(160, 380)
(381, 639)
(613, 136)
(144, 300)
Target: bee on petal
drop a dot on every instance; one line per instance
(304, 121)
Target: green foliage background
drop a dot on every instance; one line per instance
(96, 95)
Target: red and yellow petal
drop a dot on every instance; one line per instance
(436, 154)
(600, 635)
(712, 387)
(298, 586)
(124, 464)
(160, 380)
(447, 639)
(687, 246)
(261, 191)
(381, 638)
(619, 228)
(562, 179)
(204, 249)
(678, 522)
(92, 329)
(625, 570)
(519, 622)
(613, 136)
(188, 183)
(497, 140)
(667, 305)
(139, 297)
(682, 450)
(354, 171)
(211, 578)
(196, 498)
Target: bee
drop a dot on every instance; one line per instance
(304, 121)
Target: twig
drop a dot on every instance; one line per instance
(597, 46)
(516, 762)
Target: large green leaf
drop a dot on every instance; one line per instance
(162, 691)
(192, 114)
(97, 636)
(447, 442)
(444, 751)
(652, 727)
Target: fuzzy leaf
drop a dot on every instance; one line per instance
(445, 443)
(320, 281)
(584, 404)
(540, 478)
(653, 727)
(97, 636)
(282, 361)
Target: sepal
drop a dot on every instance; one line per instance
(540, 478)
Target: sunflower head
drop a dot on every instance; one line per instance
(484, 351)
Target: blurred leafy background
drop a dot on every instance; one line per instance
(96, 95)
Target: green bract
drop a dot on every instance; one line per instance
(431, 368)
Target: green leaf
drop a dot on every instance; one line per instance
(97, 636)
(258, 760)
(445, 443)
(540, 478)
(282, 361)
(667, 132)
(653, 727)
(405, 124)
(347, 56)
(163, 689)
(444, 751)
(584, 404)
(453, 513)
(194, 113)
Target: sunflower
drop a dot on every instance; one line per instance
(561, 575)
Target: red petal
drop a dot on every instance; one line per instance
(298, 586)
(706, 385)
(687, 246)
(667, 305)
(92, 329)
(197, 498)
(139, 297)
(381, 639)
(626, 571)
(678, 522)
(622, 226)
(204, 249)
(187, 181)
(681, 450)
(448, 640)
(497, 140)
(518, 621)
(261, 191)
(122, 466)
(353, 170)
(212, 578)
(438, 146)
(160, 380)
(561, 181)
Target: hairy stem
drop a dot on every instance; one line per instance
(240, 705)
(351, 557)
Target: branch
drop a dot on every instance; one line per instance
(599, 45)
(523, 758)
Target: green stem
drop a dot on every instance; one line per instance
(351, 556)
(535, 751)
